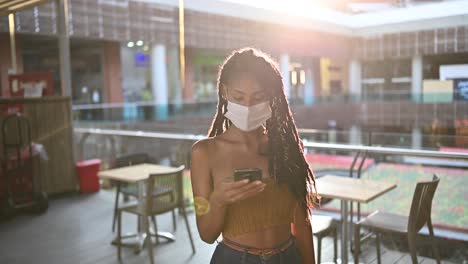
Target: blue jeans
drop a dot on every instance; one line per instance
(226, 255)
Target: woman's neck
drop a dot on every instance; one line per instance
(250, 139)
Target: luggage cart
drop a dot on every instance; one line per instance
(20, 182)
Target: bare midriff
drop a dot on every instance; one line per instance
(265, 238)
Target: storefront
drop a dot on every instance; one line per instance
(40, 54)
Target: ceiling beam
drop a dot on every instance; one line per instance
(12, 6)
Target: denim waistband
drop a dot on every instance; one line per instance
(264, 257)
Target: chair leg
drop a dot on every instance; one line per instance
(188, 229)
(335, 245)
(351, 214)
(149, 242)
(357, 243)
(359, 211)
(377, 245)
(319, 249)
(412, 248)
(155, 226)
(119, 235)
(174, 224)
(116, 206)
(435, 248)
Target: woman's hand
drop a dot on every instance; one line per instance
(226, 193)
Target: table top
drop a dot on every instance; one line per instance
(351, 189)
(134, 173)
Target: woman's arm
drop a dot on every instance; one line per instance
(210, 214)
(302, 231)
(211, 201)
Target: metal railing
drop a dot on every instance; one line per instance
(388, 151)
(314, 145)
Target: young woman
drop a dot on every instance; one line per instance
(261, 221)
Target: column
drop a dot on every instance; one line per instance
(416, 78)
(159, 81)
(309, 86)
(64, 47)
(112, 73)
(416, 138)
(173, 73)
(355, 135)
(284, 68)
(355, 80)
(189, 76)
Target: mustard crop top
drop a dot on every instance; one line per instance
(272, 207)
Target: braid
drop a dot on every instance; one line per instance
(286, 163)
(218, 124)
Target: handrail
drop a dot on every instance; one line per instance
(387, 150)
(134, 133)
(317, 131)
(329, 146)
(78, 107)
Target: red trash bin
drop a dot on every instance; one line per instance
(87, 171)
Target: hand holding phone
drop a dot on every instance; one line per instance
(252, 174)
(227, 192)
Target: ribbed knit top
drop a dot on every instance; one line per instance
(272, 207)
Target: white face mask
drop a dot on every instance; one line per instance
(248, 118)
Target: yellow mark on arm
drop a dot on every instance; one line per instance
(202, 205)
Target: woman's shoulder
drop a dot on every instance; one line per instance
(204, 146)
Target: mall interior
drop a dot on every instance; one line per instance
(378, 90)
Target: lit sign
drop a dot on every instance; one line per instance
(460, 89)
(142, 59)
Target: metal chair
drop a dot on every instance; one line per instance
(420, 215)
(131, 190)
(323, 226)
(154, 205)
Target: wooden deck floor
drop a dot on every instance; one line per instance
(77, 229)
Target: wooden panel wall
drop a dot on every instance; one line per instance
(51, 126)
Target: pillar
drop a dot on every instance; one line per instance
(189, 76)
(112, 72)
(284, 68)
(309, 86)
(159, 81)
(416, 78)
(416, 138)
(355, 80)
(355, 135)
(173, 73)
(64, 47)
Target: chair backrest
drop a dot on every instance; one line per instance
(132, 159)
(16, 131)
(420, 212)
(170, 185)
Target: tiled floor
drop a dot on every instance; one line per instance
(77, 229)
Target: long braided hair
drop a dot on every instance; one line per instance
(286, 163)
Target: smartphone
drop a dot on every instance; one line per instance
(252, 174)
